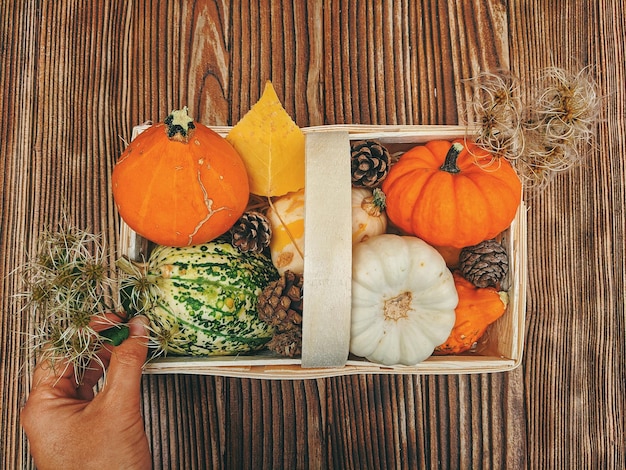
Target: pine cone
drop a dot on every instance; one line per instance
(370, 163)
(484, 264)
(287, 343)
(252, 232)
(280, 303)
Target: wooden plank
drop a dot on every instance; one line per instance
(574, 369)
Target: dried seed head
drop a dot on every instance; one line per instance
(497, 110)
(543, 134)
(67, 284)
(566, 104)
(166, 336)
(560, 125)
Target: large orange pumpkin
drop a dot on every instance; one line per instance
(452, 193)
(180, 183)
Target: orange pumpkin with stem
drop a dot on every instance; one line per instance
(452, 194)
(179, 183)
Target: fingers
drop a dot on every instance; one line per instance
(59, 373)
(93, 374)
(56, 378)
(54, 375)
(125, 366)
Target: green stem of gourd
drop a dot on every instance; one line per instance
(449, 164)
(375, 204)
(116, 334)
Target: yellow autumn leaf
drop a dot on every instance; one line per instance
(271, 146)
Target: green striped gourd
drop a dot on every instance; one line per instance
(205, 299)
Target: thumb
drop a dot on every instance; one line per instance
(123, 378)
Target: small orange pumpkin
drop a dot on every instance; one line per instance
(477, 309)
(452, 194)
(179, 183)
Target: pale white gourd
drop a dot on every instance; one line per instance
(403, 300)
(368, 214)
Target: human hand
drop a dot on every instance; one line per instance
(69, 428)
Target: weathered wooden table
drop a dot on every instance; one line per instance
(76, 76)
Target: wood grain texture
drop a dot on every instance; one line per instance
(574, 365)
(76, 76)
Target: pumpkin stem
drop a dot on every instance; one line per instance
(398, 307)
(179, 126)
(375, 204)
(449, 164)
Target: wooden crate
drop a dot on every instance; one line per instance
(326, 300)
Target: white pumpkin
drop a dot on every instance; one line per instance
(286, 216)
(368, 214)
(403, 300)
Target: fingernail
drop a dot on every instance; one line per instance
(138, 325)
(141, 318)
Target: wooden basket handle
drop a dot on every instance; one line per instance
(327, 282)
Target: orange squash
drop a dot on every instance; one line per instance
(477, 309)
(452, 194)
(179, 183)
